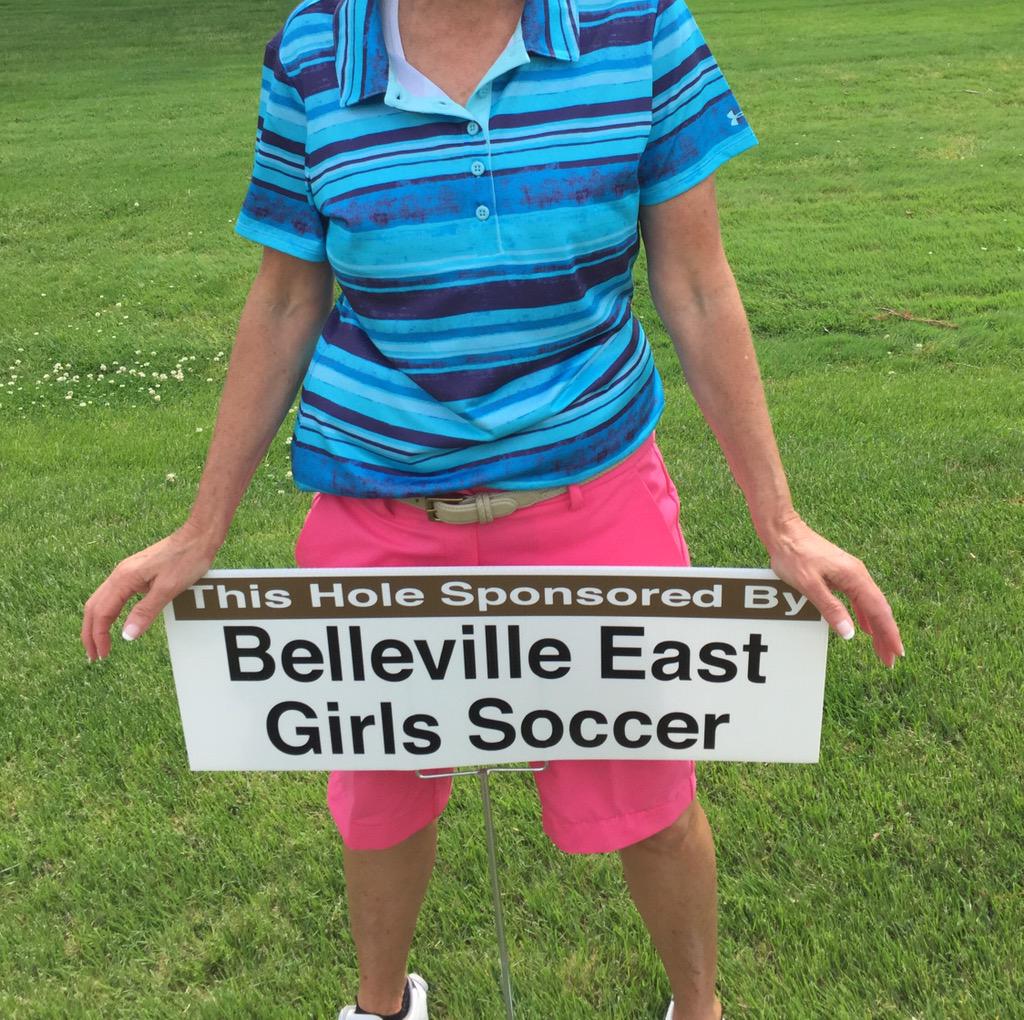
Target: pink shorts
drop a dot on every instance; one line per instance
(628, 516)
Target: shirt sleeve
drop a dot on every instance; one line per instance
(278, 208)
(696, 122)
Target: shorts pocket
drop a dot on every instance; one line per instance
(670, 485)
(301, 542)
(657, 486)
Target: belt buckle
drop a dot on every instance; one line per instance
(432, 502)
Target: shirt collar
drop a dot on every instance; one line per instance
(550, 29)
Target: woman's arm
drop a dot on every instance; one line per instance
(695, 295)
(287, 304)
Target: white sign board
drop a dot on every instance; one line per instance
(410, 668)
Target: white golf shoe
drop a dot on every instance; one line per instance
(417, 1003)
(671, 1007)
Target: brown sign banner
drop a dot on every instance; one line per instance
(454, 594)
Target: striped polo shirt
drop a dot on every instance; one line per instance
(483, 335)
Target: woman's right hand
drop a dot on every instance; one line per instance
(159, 572)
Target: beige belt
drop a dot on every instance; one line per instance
(484, 507)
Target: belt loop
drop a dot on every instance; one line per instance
(575, 497)
(484, 511)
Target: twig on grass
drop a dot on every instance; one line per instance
(904, 314)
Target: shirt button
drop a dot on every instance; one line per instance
(477, 168)
(482, 212)
(472, 127)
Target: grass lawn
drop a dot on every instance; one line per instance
(883, 882)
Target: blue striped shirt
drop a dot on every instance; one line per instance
(484, 334)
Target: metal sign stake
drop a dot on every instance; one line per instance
(492, 862)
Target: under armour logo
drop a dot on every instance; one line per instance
(734, 117)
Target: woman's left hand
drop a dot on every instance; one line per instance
(815, 567)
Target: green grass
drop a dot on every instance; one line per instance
(883, 882)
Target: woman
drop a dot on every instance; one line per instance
(476, 176)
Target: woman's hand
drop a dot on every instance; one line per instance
(815, 567)
(159, 572)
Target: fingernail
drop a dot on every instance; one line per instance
(902, 653)
(846, 630)
(131, 631)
